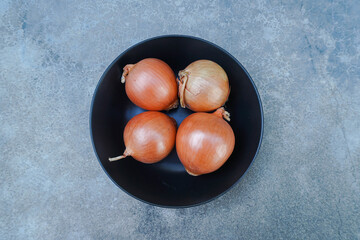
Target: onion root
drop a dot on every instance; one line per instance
(174, 105)
(220, 112)
(192, 174)
(127, 70)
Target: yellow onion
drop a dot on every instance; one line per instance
(205, 141)
(203, 86)
(151, 84)
(149, 137)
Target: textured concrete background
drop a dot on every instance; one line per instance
(304, 56)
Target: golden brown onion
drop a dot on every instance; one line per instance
(204, 142)
(149, 137)
(151, 84)
(203, 86)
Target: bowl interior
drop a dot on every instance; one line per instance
(166, 183)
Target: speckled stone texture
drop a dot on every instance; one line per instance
(304, 57)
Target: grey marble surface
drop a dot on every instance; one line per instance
(304, 57)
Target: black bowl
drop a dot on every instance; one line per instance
(166, 183)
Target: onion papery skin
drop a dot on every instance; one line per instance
(203, 86)
(204, 142)
(149, 137)
(151, 84)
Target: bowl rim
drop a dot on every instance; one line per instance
(175, 36)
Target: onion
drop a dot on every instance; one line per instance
(205, 141)
(149, 137)
(203, 86)
(151, 84)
